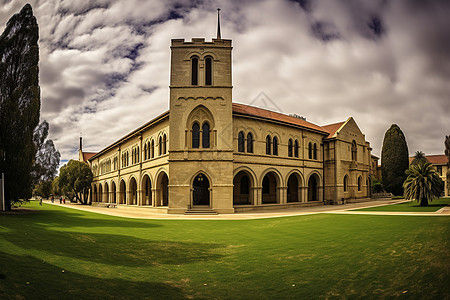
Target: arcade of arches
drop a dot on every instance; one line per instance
(246, 192)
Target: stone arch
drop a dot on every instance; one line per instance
(313, 187)
(113, 192)
(200, 115)
(294, 183)
(201, 187)
(106, 192)
(346, 183)
(243, 186)
(122, 192)
(100, 192)
(271, 182)
(132, 196)
(146, 188)
(94, 193)
(162, 188)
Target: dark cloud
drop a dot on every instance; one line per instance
(381, 62)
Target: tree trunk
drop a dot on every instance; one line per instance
(423, 202)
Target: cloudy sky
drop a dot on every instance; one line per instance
(104, 65)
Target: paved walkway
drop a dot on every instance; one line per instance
(145, 213)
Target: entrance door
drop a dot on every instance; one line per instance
(201, 190)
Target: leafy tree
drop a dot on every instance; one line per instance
(56, 190)
(419, 158)
(75, 179)
(423, 183)
(19, 103)
(44, 188)
(377, 187)
(47, 157)
(394, 160)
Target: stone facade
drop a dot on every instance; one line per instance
(208, 152)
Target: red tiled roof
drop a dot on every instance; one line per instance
(332, 128)
(271, 115)
(87, 155)
(434, 159)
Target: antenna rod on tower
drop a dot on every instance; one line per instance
(218, 24)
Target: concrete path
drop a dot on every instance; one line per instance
(144, 213)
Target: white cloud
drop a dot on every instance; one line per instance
(109, 61)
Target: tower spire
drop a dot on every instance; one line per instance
(218, 24)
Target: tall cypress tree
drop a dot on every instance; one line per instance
(394, 160)
(19, 102)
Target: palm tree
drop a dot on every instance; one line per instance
(422, 184)
(419, 157)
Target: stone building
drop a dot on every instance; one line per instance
(209, 153)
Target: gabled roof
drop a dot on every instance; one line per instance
(333, 128)
(434, 159)
(87, 155)
(247, 110)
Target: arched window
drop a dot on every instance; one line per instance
(195, 135)
(208, 70)
(160, 145)
(128, 159)
(164, 144)
(205, 135)
(268, 144)
(310, 150)
(290, 145)
(296, 148)
(194, 70)
(359, 183)
(345, 183)
(138, 152)
(249, 142)
(152, 149)
(354, 151)
(275, 145)
(315, 151)
(241, 142)
(145, 151)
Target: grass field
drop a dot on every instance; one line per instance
(57, 253)
(411, 206)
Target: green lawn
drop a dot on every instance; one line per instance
(59, 253)
(411, 206)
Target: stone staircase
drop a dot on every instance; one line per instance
(200, 211)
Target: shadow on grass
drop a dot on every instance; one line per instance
(116, 247)
(25, 277)
(115, 250)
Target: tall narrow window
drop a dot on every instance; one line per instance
(359, 183)
(275, 145)
(315, 151)
(138, 153)
(354, 151)
(160, 145)
(345, 183)
(205, 135)
(310, 150)
(208, 70)
(195, 135)
(145, 151)
(268, 144)
(152, 149)
(164, 144)
(194, 74)
(290, 146)
(296, 148)
(249, 142)
(241, 142)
